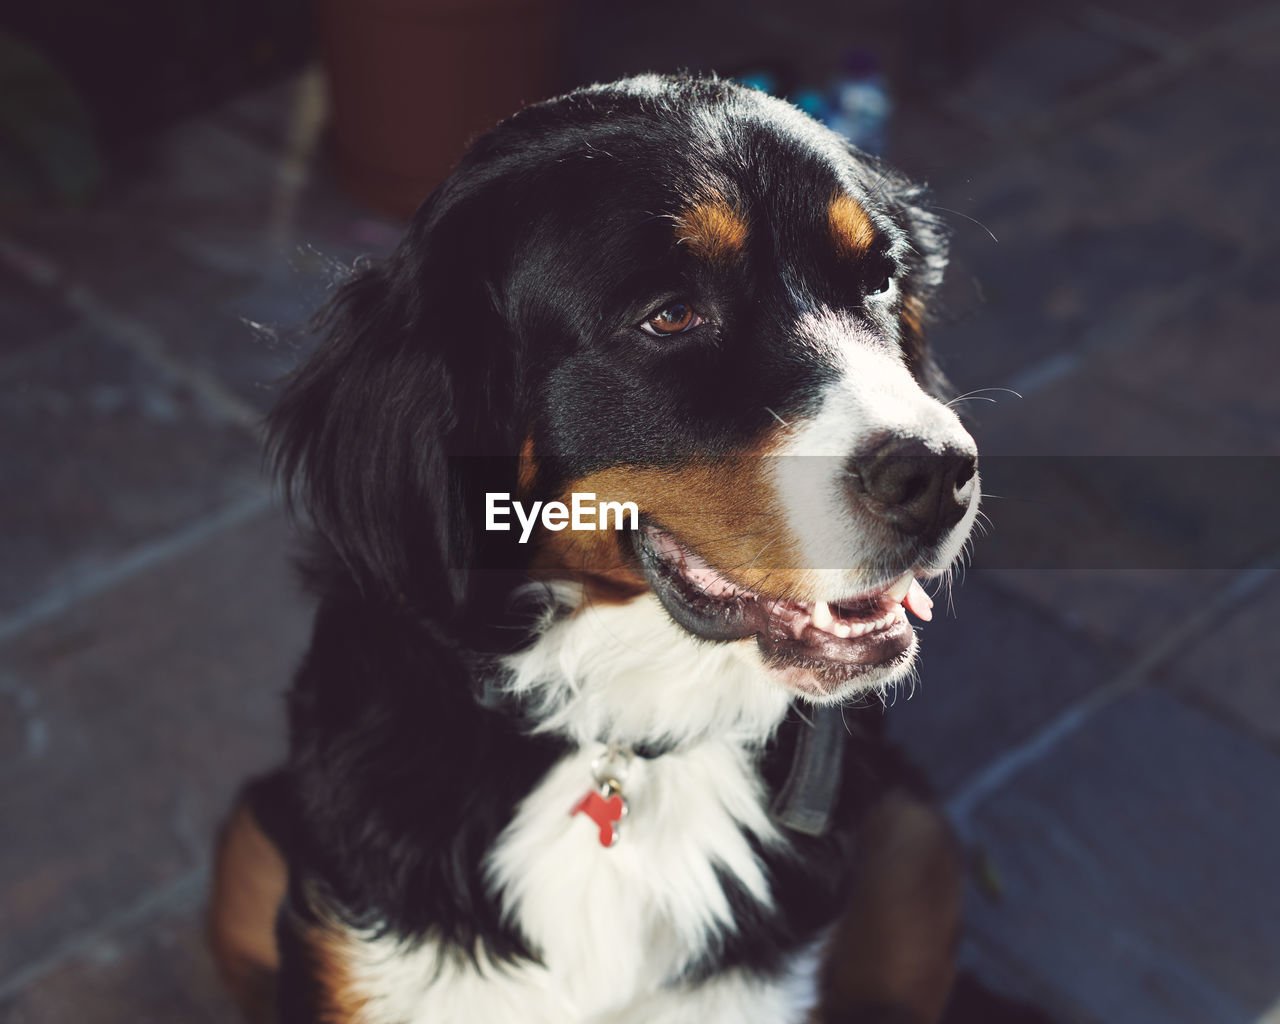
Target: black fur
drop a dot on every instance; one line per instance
(509, 310)
(810, 880)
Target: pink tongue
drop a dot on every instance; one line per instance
(918, 602)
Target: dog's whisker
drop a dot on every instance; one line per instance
(977, 395)
(947, 209)
(762, 551)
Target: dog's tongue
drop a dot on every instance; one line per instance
(918, 602)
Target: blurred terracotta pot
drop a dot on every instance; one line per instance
(411, 82)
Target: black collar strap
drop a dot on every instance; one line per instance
(808, 795)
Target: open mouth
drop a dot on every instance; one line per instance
(834, 641)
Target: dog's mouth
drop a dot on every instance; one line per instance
(831, 643)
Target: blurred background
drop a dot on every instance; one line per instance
(174, 173)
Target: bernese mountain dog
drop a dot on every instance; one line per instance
(545, 773)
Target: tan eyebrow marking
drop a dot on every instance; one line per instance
(851, 228)
(714, 230)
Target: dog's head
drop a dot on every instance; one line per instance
(673, 292)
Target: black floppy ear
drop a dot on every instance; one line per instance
(379, 435)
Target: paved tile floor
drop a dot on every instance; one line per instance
(1108, 740)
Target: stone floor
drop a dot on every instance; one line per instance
(1108, 739)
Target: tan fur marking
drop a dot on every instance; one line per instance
(723, 509)
(527, 470)
(714, 230)
(851, 228)
(330, 952)
(913, 316)
(896, 944)
(249, 879)
(598, 561)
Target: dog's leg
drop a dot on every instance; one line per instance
(249, 880)
(891, 959)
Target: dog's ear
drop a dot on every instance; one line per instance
(384, 434)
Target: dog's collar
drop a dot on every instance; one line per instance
(806, 799)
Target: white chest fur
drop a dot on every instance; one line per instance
(614, 927)
(612, 924)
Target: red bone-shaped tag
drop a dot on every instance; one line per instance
(605, 811)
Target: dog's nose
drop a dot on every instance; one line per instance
(921, 491)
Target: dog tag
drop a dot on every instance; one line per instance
(606, 807)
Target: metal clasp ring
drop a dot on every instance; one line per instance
(611, 767)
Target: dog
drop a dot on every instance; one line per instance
(634, 773)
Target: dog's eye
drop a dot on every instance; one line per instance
(674, 319)
(880, 282)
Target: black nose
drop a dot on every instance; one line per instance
(920, 490)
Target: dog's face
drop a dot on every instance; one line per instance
(680, 294)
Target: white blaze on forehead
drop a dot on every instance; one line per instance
(874, 399)
(820, 331)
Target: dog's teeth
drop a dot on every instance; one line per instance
(842, 630)
(822, 617)
(900, 587)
